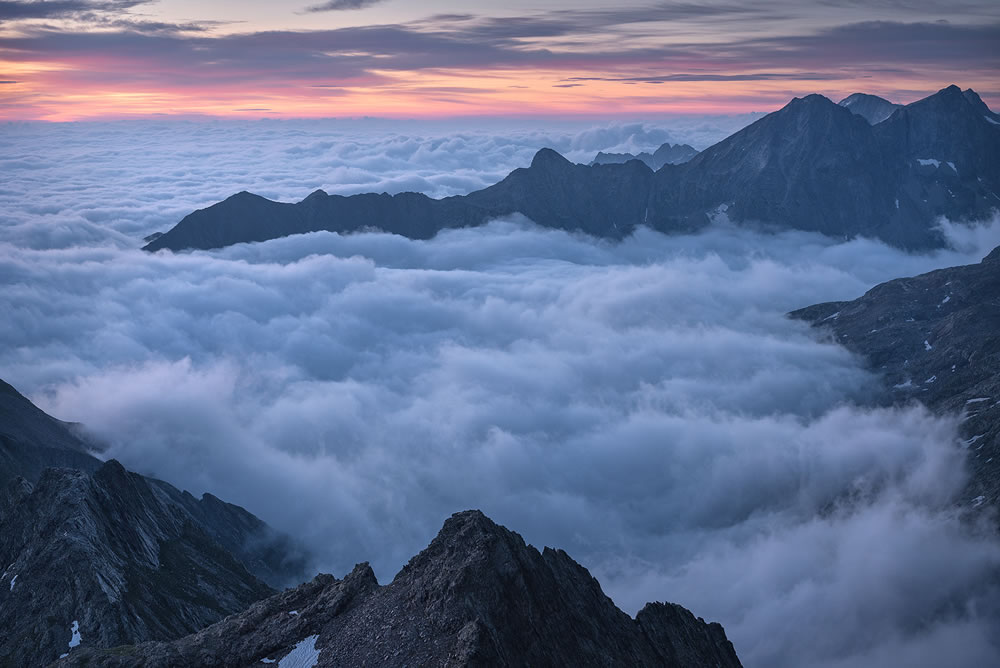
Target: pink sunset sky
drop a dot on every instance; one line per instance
(66, 60)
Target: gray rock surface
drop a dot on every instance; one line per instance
(667, 154)
(477, 596)
(872, 108)
(105, 553)
(813, 165)
(935, 338)
(126, 557)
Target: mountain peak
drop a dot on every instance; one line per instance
(548, 157)
(872, 108)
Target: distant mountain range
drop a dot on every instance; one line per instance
(935, 338)
(667, 154)
(813, 165)
(103, 567)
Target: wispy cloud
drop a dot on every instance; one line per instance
(340, 5)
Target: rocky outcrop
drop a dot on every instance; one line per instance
(667, 154)
(122, 557)
(872, 108)
(813, 165)
(477, 596)
(935, 338)
(103, 554)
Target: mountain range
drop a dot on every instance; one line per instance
(667, 154)
(813, 165)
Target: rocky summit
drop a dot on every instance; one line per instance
(813, 165)
(935, 338)
(476, 596)
(872, 108)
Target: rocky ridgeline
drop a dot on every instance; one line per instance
(667, 154)
(477, 596)
(935, 338)
(813, 165)
(93, 554)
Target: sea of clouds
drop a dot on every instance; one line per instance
(645, 405)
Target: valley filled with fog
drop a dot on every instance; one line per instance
(644, 405)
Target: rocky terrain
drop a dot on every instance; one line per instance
(813, 165)
(476, 596)
(89, 551)
(935, 338)
(872, 108)
(667, 154)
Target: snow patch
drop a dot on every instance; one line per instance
(12, 581)
(75, 639)
(977, 400)
(930, 380)
(946, 299)
(897, 203)
(927, 346)
(929, 161)
(303, 655)
(293, 612)
(953, 167)
(903, 386)
(831, 317)
(267, 661)
(994, 122)
(972, 440)
(978, 501)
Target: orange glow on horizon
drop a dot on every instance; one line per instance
(59, 91)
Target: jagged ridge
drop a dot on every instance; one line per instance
(813, 165)
(476, 596)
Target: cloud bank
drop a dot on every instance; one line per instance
(644, 405)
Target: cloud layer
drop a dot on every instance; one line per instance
(644, 405)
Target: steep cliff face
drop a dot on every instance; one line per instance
(935, 338)
(813, 165)
(121, 557)
(101, 553)
(477, 596)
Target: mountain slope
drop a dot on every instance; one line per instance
(813, 165)
(123, 557)
(31, 441)
(477, 596)
(103, 554)
(935, 338)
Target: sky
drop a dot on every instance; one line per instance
(644, 405)
(63, 60)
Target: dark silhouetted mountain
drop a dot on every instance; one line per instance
(125, 557)
(935, 338)
(813, 165)
(667, 154)
(872, 108)
(477, 596)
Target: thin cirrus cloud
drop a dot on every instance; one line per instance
(761, 56)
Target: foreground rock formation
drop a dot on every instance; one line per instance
(813, 165)
(935, 338)
(92, 554)
(477, 596)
